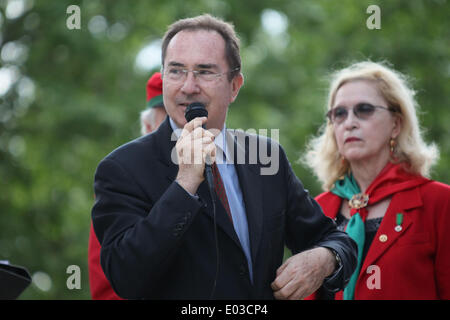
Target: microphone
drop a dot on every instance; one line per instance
(197, 110)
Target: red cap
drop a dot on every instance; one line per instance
(154, 91)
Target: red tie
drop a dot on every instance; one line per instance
(220, 190)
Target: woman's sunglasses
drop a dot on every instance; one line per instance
(362, 111)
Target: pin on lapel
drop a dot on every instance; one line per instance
(399, 220)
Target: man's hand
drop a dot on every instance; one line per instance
(193, 147)
(303, 273)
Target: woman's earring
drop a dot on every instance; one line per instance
(344, 164)
(392, 144)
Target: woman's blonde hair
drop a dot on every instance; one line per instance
(322, 154)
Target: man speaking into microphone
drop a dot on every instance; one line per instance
(165, 234)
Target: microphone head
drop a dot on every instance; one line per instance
(195, 110)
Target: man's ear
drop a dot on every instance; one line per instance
(236, 85)
(148, 127)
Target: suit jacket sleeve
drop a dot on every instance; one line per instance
(308, 227)
(131, 228)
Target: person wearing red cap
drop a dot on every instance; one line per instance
(155, 113)
(151, 118)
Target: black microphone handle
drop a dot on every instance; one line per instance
(209, 176)
(208, 172)
(194, 110)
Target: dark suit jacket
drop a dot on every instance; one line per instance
(158, 241)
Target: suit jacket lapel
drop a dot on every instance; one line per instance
(252, 193)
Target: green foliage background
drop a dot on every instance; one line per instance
(76, 95)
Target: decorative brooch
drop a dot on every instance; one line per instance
(358, 201)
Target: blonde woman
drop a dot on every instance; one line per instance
(373, 164)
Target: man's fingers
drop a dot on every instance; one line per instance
(198, 133)
(287, 285)
(208, 133)
(281, 280)
(297, 294)
(194, 148)
(286, 293)
(206, 140)
(192, 125)
(282, 267)
(293, 289)
(304, 272)
(210, 153)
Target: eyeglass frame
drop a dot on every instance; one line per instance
(186, 71)
(329, 113)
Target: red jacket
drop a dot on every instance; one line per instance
(413, 263)
(100, 287)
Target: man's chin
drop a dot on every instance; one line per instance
(180, 121)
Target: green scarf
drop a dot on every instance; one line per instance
(355, 228)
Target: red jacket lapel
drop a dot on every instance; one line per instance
(386, 235)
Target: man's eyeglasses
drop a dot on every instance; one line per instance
(179, 74)
(362, 111)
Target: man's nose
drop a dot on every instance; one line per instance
(190, 84)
